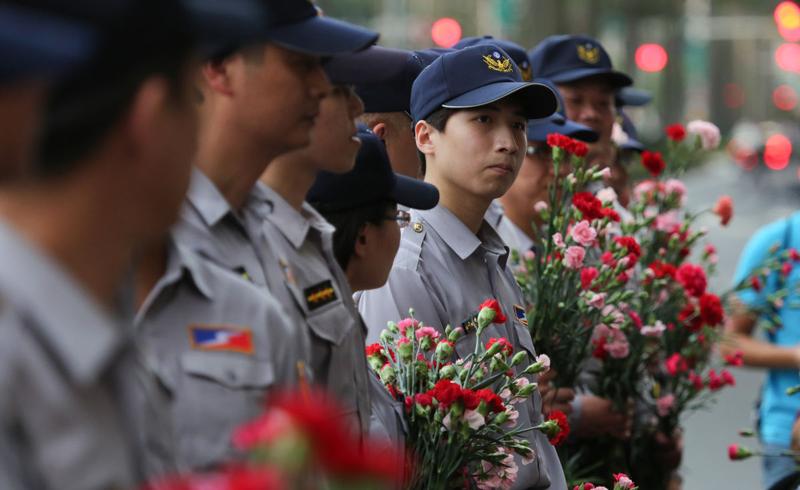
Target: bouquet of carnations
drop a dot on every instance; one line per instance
(575, 284)
(296, 444)
(460, 414)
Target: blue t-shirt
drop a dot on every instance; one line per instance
(778, 410)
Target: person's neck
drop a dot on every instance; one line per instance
(291, 176)
(521, 218)
(231, 161)
(78, 225)
(470, 209)
(151, 265)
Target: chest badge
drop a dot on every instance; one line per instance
(320, 295)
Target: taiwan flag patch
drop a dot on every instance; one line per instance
(221, 338)
(519, 312)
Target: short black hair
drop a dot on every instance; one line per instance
(82, 109)
(350, 222)
(438, 119)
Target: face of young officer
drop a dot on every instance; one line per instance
(375, 249)
(479, 152)
(275, 95)
(22, 110)
(334, 143)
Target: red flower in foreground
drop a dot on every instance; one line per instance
(494, 402)
(676, 364)
(724, 209)
(662, 270)
(499, 317)
(588, 275)
(556, 427)
(692, 278)
(632, 248)
(755, 283)
(653, 162)
(675, 132)
(556, 140)
(237, 477)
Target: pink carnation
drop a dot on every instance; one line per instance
(573, 257)
(427, 332)
(708, 133)
(677, 188)
(664, 404)
(584, 234)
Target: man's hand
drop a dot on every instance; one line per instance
(598, 417)
(555, 398)
(669, 450)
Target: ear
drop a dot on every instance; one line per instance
(217, 74)
(423, 133)
(363, 242)
(143, 124)
(380, 130)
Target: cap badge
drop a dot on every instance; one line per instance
(588, 53)
(498, 62)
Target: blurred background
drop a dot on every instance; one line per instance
(733, 62)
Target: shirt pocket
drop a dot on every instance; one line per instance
(332, 323)
(217, 393)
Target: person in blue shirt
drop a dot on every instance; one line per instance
(778, 352)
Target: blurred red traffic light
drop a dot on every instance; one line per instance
(446, 32)
(651, 57)
(777, 152)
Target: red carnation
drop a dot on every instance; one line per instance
(446, 392)
(676, 364)
(736, 359)
(662, 270)
(727, 378)
(794, 255)
(690, 318)
(737, 453)
(499, 317)
(692, 278)
(588, 275)
(714, 381)
(578, 148)
(610, 214)
(696, 380)
(494, 402)
(588, 205)
(561, 427)
(556, 140)
(711, 311)
(632, 248)
(507, 347)
(653, 162)
(786, 269)
(755, 283)
(676, 132)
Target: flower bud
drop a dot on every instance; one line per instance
(447, 372)
(485, 318)
(444, 350)
(527, 390)
(388, 374)
(406, 350)
(392, 327)
(518, 358)
(455, 334)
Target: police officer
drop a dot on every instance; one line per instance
(37, 47)
(114, 130)
(472, 134)
(311, 279)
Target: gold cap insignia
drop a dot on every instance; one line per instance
(498, 62)
(588, 53)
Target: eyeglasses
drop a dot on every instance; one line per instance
(403, 218)
(543, 151)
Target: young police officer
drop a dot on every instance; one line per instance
(113, 130)
(471, 110)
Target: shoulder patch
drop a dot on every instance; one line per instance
(222, 338)
(519, 313)
(320, 295)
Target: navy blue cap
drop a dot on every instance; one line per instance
(36, 43)
(370, 66)
(517, 52)
(633, 97)
(371, 180)
(298, 25)
(632, 143)
(474, 77)
(568, 58)
(538, 129)
(222, 26)
(387, 88)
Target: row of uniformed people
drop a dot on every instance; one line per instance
(251, 289)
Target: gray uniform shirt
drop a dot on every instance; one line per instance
(65, 371)
(318, 296)
(444, 271)
(218, 345)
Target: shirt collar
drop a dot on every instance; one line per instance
(207, 199)
(514, 236)
(460, 238)
(81, 333)
(293, 224)
(182, 264)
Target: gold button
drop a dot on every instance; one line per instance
(418, 227)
